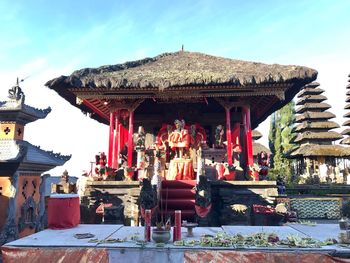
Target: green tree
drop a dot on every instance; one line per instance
(280, 137)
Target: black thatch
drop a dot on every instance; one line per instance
(346, 132)
(311, 98)
(316, 125)
(258, 148)
(346, 123)
(256, 135)
(347, 107)
(347, 99)
(345, 141)
(347, 115)
(348, 92)
(317, 136)
(313, 150)
(317, 107)
(181, 69)
(314, 116)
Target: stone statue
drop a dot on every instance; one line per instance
(219, 136)
(16, 93)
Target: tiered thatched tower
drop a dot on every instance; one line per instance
(346, 124)
(314, 135)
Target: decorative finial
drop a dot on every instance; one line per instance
(16, 93)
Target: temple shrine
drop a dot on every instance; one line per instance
(22, 203)
(177, 116)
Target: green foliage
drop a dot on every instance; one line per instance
(280, 137)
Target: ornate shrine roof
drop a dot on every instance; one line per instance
(13, 110)
(30, 155)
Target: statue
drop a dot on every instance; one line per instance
(16, 93)
(179, 139)
(219, 137)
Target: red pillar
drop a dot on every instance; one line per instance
(248, 136)
(116, 149)
(111, 138)
(130, 139)
(228, 135)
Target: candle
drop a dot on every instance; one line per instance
(178, 224)
(148, 225)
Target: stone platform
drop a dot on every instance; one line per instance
(61, 246)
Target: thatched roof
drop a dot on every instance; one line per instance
(346, 132)
(316, 125)
(310, 150)
(317, 136)
(256, 135)
(347, 115)
(347, 107)
(182, 71)
(258, 148)
(313, 116)
(348, 92)
(347, 99)
(311, 98)
(346, 123)
(313, 107)
(345, 141)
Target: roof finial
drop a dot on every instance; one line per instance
(182, 48)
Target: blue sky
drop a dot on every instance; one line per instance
(45, 39)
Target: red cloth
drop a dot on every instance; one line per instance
(202, 211)
(63, 212)
(220, 170)
(230, 176)
(263, 209)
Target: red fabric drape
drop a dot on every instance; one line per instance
(63, 212)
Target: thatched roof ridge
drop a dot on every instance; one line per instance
(316, 125)
(346, 132)
(256, 135)
(181, 69)
(345, 141)
(313, 116)
(318, 136)
(258, 148)
(310, 91)
(310, 150)
(313, 107)
(311, 98)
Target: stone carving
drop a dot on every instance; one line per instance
(16, 93)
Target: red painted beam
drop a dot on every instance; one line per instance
(130, 139)
(111, 138)
(95, 109)
(228, 135)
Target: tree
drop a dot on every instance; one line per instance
(280, 137)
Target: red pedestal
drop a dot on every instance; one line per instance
(63, 211)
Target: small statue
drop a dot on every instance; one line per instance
(16, 93)
(140, 141)
(179, 139)
(219, 136)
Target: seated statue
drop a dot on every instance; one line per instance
(179, 139)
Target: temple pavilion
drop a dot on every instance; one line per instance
(184, 96)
